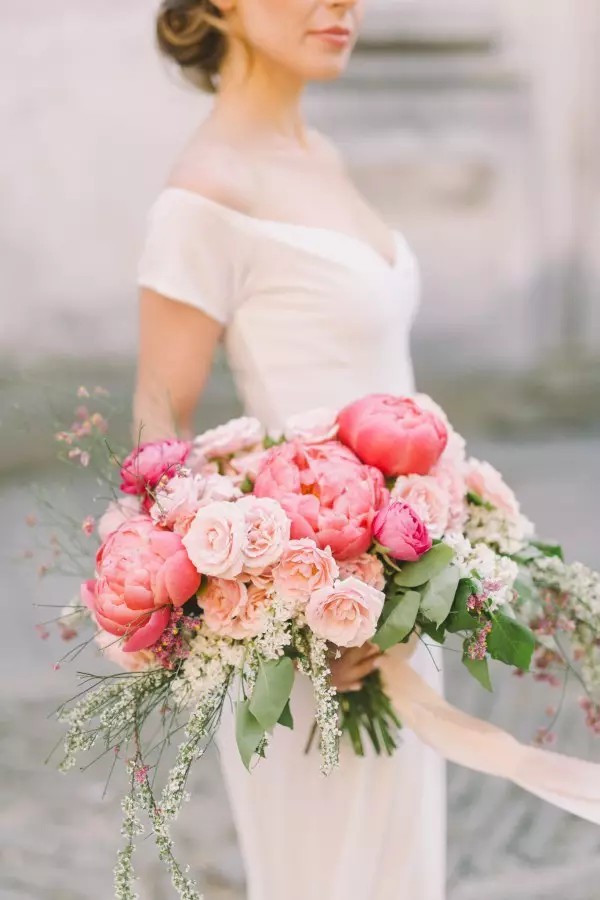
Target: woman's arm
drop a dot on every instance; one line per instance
(176, 350)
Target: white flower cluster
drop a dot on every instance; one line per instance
(496, 574)
(492, 526)
(211, 660)
(275, 638)
(327, 711)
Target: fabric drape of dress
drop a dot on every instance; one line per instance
(312, 318)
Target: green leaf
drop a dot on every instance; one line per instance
(433, 562)
(399, 621)
(510, 642)
(272, 691)
(286, 719)
(477, 500)
(460, 619)
(436, 634)
(480, 671)
(549, 549)
(438, 597)
(248, 732)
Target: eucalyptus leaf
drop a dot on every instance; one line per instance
(272, 691)
(510, 642)
(412, 575)
(549, 549)
(399, 620)
(436, 634)
(479, 669)
(248, 732)
(438, 596)
(286, 719)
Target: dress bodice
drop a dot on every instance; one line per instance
(312, 316)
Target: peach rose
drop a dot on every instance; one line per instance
(483, 479)
(117, 513)
(246, 466)
(367, 568)
(232, 610)
(427, 496)
(312, 427)
(304, 568)
(267, 532)
(112, 649)
(345, 614)
(235, 436)
(451, 476)
(215, 540)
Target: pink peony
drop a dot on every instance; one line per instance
(483, 479)
(179, 500)
(267, 532)
(428, 497)
(215, 540)
(144, 469)
(233, 437)
(313, 427)
(233, 610)
(456, 446)
(111, 649)
(117, 513)
(367, 568)
(393, 434)
(399, 529)
(141, 572)
(327, 493)
(304, 568)
(345, 614)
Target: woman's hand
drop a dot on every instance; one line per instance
(355, 663)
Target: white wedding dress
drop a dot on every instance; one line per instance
(312, 318)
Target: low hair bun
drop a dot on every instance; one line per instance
(192, 33)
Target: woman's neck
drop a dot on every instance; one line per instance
(261, 100)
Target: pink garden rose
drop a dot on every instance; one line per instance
(246, 466)
(314, 427)
(142, 571)
(233, 610)
(304, 568)
(215, 540)
(238, 435)
(327, 493)
(267, 532)
(145, 468)
(345, 614)
(367, 568)
(178, 501)
(393, 434)
(112, 649)
(483, 479)
(117, 513)
(451, 475)
(399, 529)
(428, 497)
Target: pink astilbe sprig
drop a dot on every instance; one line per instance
(173, 645)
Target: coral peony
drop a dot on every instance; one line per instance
(144, 469)
(141, 572)
(399, 529)
(327, 493)
(393, 434)
(117, 513)
(345, 614)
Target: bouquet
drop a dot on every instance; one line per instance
(235, 563)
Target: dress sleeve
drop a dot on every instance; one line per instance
(189, 254)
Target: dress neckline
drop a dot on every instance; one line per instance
(295, 228)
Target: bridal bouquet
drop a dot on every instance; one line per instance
(233, 564)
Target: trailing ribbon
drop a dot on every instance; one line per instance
(564, 781)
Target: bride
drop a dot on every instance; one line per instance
(261, 240)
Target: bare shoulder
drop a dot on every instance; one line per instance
(218, 171)
(326, 149)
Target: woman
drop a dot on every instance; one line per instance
(261, 240)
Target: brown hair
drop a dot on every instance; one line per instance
(192, 32)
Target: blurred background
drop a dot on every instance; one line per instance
(474, 125)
